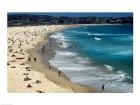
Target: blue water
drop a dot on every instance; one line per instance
(97, 54)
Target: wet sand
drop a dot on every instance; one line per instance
(53, 74)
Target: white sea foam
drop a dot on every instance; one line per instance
(66, 60)
(89, 34)
(70, 63)
(106, 34)
(120, 52)
(60, 38)
(113, 82)
(79, 69)
(110, 68)
(97, 38)
(78, 32)
(65, 53)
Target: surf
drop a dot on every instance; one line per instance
(98, 61)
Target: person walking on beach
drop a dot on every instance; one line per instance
(103, 87)
(59, 72)
(50, 41)
(49, 66)
(43, 50)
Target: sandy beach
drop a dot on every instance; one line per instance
(26, 72)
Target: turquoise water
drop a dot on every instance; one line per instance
(97, 54)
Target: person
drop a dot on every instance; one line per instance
(29, 59)
(43, 50)
(27, 78)
(35, 59)
(29, 86)
(103, 87)
(59, 73)
(49, 66)
(38, 81)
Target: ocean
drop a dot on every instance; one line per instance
(97, 54)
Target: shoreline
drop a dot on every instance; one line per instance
(51, 54)
(52, 75)
(53, 72)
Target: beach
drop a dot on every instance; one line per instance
(26, 71)
(56, 59)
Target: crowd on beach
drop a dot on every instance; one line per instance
(54, 42)
(16, 52)
(51, 42)
(21, 76)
